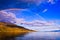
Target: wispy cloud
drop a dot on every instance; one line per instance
(7, 16)
(37, 2)
(44, 10)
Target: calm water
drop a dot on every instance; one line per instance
(39, 36)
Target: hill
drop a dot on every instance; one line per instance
(10, 30)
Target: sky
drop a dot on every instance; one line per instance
(41, 15)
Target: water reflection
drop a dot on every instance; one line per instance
(4, 36)
(37, 36)
(40, 36)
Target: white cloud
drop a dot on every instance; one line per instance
(7, 16)
(10, 17)
(45, 10)
(51, 1)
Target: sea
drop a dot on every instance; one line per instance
(38, 36)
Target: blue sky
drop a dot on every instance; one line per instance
(53, 10)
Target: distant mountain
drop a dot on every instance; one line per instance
(9, 29)
(55, 31)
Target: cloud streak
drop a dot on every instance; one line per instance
(45, 10)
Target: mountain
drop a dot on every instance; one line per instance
(56, 31)
(10, 30)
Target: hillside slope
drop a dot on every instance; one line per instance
(9, 29)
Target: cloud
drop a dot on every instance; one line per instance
(51, 1)
(40, 23)
(45, 10)
(36, 2)
(10, 17)
(7, 16)
(43, 25)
